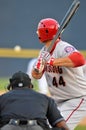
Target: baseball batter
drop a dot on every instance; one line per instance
(63, 68)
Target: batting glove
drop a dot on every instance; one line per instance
(45, 55)
(39, 65)
(51, 60)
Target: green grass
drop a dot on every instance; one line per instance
(79, 127)
(35, 84)
(5, 81)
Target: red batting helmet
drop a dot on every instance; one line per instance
(47, 29)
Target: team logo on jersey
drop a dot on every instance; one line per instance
(69, 49)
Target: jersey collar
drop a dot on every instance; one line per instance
(57, 41)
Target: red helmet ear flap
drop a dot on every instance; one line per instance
(47, 29)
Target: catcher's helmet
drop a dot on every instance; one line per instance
(47, 29)
(19, 79)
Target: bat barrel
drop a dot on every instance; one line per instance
(71, 11)
(73, 8)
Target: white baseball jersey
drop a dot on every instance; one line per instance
(65, 82)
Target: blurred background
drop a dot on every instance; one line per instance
(18, 23)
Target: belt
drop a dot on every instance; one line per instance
(22, 122)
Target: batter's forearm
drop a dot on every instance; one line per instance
(66, 62)
(75, 59)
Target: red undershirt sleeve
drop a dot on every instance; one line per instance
(77, 58)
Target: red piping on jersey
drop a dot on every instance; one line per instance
(77, 58)
(54, 45)
(75, 109)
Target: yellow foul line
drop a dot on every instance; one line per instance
(20, 53)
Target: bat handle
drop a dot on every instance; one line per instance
(41, 68)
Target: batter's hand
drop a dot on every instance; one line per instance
(39, 65)
(51, 60)
(45, 55)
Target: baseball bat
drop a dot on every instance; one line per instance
(65, 21)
